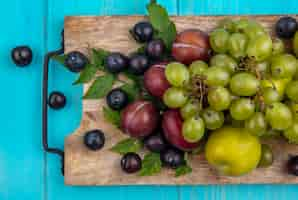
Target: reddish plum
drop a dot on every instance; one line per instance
(191, 45)
(139, 119)
(172, 127)
(155, 80)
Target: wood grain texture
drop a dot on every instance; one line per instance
(83, 167)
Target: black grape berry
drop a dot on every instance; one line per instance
(292, 165)
(131, 163)
(155, 49)
(142, 32)
(138, 64)
(94, 139)
(57, 100)
(286, 27)
(117, 99)
(116, 62)
(75, 61)
(155, 143)
(21, 56)
(172, 158)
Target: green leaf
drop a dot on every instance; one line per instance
(165, 29)
(59, 58)
(112, 116)
(135, 78)
(158, 16)
(182, 170)
(168, 35)
(127, 146)
(132, 90)
(98, 56)
(151, 165)
(86, 75)
(100, 87)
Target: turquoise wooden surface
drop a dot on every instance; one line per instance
(25, 171)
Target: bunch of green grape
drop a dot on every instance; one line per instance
(251, 82)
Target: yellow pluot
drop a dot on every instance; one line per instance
(233, 151)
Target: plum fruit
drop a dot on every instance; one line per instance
(191, 45)
(172, 127)
(155, 80)
(139, 119)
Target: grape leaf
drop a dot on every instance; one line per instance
(112, 116)
(151, 165)
(168, 35)
(98, 57)
(59, 58)
(86, 75)
(127, 146)
(158, 16)
(164, 28)
(100, 87)
(132, 90)
(182, 170)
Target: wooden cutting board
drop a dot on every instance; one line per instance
(84, 167)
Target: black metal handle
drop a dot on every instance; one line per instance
(46, 147)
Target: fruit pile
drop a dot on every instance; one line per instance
(189, 91)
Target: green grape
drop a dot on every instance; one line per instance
(213, 119)
(218, 40)
(175, 97)
(278, 46)
(197, 68)
(270, 95)
(263, 68)
(260, 48)
(193, 129)
(271, 133)
(190, 109)
(283, 66)
(256, 124)
(244, 84)
(292, 90)
(295, 43)
(279, 116)
(217, 76)
(237, 45)
(278, 84)
(294, 108)
(219, 98)
(253, 30)
(227, 24)
(177, 74)
(242, 109)
(225, 61)
(241, 24)
(291, 134)
(266, 156)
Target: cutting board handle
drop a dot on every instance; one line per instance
(45, 145)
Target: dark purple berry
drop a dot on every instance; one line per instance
(21, 56)
(155, 143)
(116, 62)
(286, 27)
(292, 165)
(131, 162)
(138, 64)
(142, 32)
(155, 49)
(94, 139)
(117, 99)
(57, 100)
(75, 61)
(172, 158)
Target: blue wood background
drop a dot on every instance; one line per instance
(28, 173)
